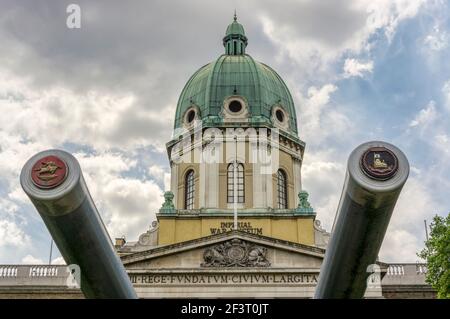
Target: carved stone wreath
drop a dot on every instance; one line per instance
(235, 253)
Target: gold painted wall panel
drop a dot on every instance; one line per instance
(166, 231)
(285, 229)
(294, 229)
(306, 230)
(187, 229)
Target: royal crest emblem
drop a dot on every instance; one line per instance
(49, 172)
(235, 253)
(379, 163)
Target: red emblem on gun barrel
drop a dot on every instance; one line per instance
(379, 163)
(49, 172)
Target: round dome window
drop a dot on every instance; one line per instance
(280, 115)
(235, 106)
(190, 116)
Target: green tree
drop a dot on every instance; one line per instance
(437, 255)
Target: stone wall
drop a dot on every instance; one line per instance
(403, 281)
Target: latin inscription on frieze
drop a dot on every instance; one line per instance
(224, 279)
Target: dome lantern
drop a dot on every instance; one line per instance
(235, 40)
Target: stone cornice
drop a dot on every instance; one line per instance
(251, 212)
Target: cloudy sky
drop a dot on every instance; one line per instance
(107, 92)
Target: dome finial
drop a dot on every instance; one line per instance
(235, 16)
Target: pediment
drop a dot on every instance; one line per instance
(233, 249)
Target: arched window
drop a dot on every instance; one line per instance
(282, 189)
(239, 183)
(189, 190)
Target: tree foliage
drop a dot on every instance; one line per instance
(437, 255)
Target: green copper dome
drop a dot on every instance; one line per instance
(237, 74)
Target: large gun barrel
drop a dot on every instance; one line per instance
(53, 181)
(375, 175)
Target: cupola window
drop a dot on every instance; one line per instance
(239, 183)
(189, 190)
(282, 189)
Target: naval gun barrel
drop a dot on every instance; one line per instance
(54, 183)
(376, 173)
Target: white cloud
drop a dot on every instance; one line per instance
(400, 246)
(167, 181)
(11, 234)
(55, 115)
(438, 39)
(127, 204)
(14, 152)
(312, 108)
(430, 125)
(58, 261)
(437, 42)
(320, 117)
(314, 44)
(157, 172)
(425, 116)
(446, 93)
(131, 204)
(441, 142)
(353, 67)
(323, 176)
(31, 260)
(387, 14)
(8, 206)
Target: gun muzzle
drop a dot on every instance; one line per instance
(376, 173)
(53, 181)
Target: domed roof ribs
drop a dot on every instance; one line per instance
(291, 106)
(182, 97)
(209, 86)
(257, 81)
